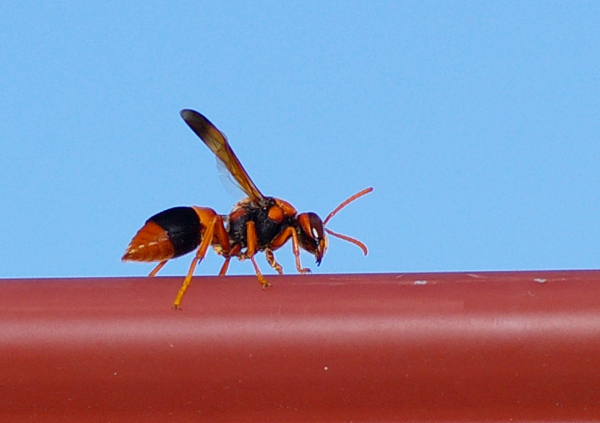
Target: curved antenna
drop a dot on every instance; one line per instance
(346, 202)
(354, 241)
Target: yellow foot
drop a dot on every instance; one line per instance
(263, 281)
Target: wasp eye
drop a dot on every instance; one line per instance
(315, 233)
(317, 226)
(312, 225)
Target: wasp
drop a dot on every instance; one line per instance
(255, 224)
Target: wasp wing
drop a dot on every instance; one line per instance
(217, 142)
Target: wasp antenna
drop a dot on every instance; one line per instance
(345, 203)
(354, 241)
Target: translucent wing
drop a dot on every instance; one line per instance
(217, 142)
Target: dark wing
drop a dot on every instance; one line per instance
(217, 142)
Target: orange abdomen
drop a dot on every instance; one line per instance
(168, 234)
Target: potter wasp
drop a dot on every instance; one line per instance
(256, 223)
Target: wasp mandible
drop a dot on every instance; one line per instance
(256, 223)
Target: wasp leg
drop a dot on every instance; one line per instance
(157, 268)
(225, 266)
(233, 252)
(206, 241)
(252, 242)
(272, 262)
(282, 238)
(261, 278)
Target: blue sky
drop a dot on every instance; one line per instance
(477, 123)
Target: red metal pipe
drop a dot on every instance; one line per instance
(493, 346)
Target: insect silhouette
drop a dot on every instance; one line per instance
(256, 223)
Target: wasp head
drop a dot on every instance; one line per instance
(311, 234)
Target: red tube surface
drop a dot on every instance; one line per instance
(521, 346)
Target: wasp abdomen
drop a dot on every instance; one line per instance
(182, 225)
(168, 234)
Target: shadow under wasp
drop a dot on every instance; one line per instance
(256, 223)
